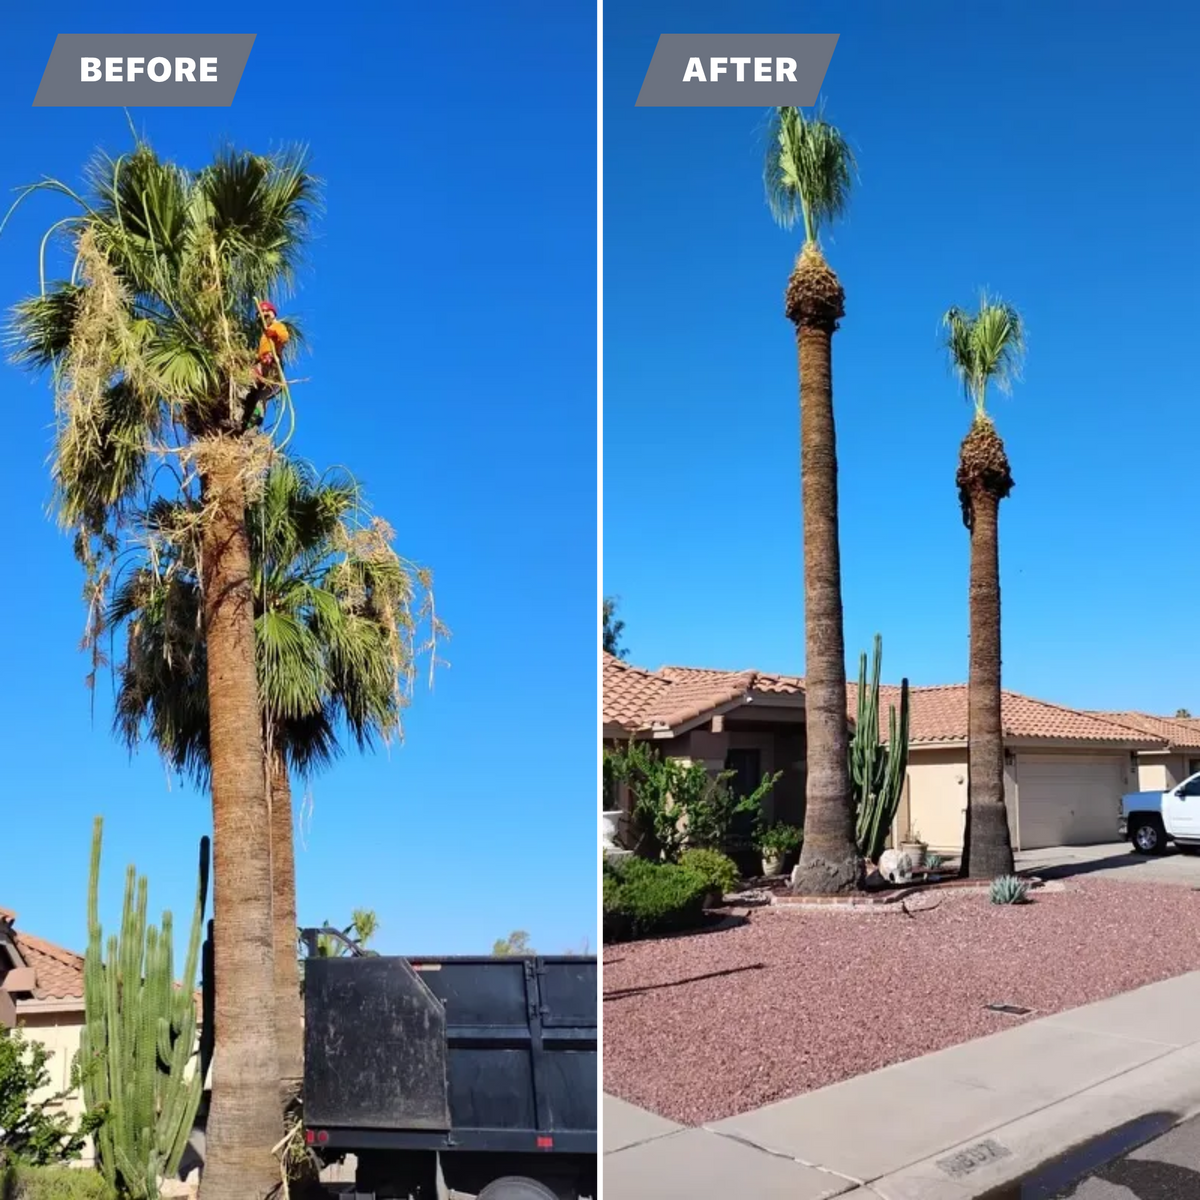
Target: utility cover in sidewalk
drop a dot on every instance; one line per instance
(1013, 1010)
(972, 1158)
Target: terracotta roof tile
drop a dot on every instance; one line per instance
(787, 685)
(59, 972)
(939, 714)
(637, 699)
(1175, 732)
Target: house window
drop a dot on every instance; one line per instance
(1194, 766)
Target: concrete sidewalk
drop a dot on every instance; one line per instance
(948, 1126)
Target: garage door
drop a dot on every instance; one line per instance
(1065, 801)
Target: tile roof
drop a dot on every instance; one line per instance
(939, 714)
(1176, 732)
(59, 972)
(636, 699)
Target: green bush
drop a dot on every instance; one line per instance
(718, 870)
(646, 899)
(53, 1183)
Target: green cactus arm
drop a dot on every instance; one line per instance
(179, 1121)
(132, 1179)
(93, 896)
(113, 1055)
(187, 981)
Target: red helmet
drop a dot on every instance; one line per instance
(267, 307)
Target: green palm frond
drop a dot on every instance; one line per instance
(985, 347)
(161, 304)
(39, 331)
(809, 170)
(336, 611)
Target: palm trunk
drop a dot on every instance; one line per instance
(987, 847)
(829, 861)
(244, 1122)
(289, 1010)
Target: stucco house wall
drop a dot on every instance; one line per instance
(1157, 772)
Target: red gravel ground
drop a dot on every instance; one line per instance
(705, 1026)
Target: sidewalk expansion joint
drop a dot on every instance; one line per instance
(658, 1137)
(850, 1180)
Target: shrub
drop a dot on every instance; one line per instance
(646, 899)
(53, 1183)
(780, 839)
(33, 1132)
(676, 803)
(718, 870)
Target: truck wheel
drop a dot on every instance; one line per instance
(516, 1187)
(1147, 835)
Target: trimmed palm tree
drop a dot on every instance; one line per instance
(151, 342)
(985, 348)
(809, 173)
(336, 617)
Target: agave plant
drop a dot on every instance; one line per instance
(1009, 889)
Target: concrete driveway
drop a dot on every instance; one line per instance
(1112, 861)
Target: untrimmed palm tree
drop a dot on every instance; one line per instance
(336, 616)
(809, 173)
(151, 341)
(985, 347)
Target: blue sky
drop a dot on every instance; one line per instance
(1046, 153)
(450, 311)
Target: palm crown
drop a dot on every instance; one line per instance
(985, 347)
(150, 339)
(337, 613)
(809, 171)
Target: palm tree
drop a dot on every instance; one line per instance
(809, 173)
(151, 342)
(363, 927)
(984, 347)
(336, 613)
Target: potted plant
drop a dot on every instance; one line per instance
(915, 848)
(775, 843)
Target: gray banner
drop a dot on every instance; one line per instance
(736, 70)
(144, 70)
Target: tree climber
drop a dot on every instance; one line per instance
(267, 370)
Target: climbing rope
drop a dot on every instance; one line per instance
(288, 409)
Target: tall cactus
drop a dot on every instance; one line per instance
(877, 770)
(140, 1036)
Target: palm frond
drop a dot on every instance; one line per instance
(336, 615)
(809, 170)
(985, 347)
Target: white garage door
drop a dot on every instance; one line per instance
(1066, 801)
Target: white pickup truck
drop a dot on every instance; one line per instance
(1152, 819)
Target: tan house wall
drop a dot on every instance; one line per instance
(937, 798)
(1157, 772)
(59, 1033)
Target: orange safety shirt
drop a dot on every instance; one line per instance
(274, 337)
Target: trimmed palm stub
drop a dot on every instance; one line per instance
(808, 175)
(815, 297)
(983, 470)
(984, 347)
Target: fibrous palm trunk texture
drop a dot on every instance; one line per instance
(829, 860)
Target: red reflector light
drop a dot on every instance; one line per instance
(322, 1137)
(308, 1137)
(545, 1143)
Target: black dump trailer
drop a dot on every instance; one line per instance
(450, 1077)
